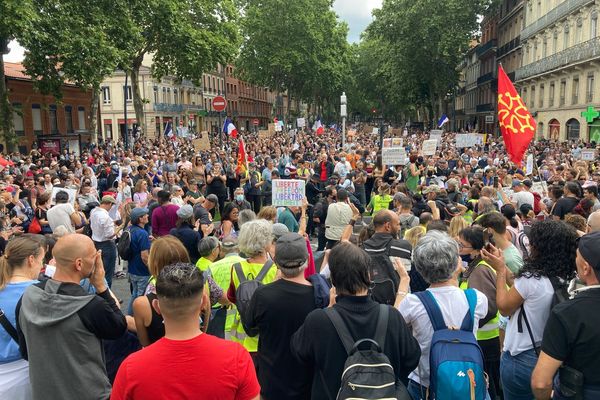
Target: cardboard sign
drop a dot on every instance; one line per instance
(429, 147)
(72, 194)
(271, 128)
(300, 122)
(288, 192)
(396, 131)
(264, 134)
(588, 155)
(202, 143)
(393, 156)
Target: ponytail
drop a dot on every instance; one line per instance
(16, 252)
(5, 271)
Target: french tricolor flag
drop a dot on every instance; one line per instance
(318, 127)
(229, 128)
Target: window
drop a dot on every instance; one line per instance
(563, 89)
(541, 102)
(105, 95)
(566, 37)
(36, 117)
(534, 55)
(156, 94)
(555, 43)
(579, 31)
(175, 97)
(17, 114)
(524, 96)
(551, 95)
(594, 25)
(575, 91)
(164, 97)
(589, 91)
(81, 117)
(69, 118)
(544, 48)
(128, 94)
(532, 102)
(53, 120)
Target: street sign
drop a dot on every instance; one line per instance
(255, 122)
(219, 103)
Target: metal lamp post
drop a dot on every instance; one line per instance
(343, 114)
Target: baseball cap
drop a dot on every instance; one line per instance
(279, 230)
(516, 182)
(108, 199)
(290, 251)
(589, 247)
(138, 213)
(186, 211)
(528, 183)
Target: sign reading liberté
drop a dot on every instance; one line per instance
(288, 192)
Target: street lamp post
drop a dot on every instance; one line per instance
(343, 114)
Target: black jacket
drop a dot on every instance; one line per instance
(328, 166)
(317, 345)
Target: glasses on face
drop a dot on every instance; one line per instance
(461, 245)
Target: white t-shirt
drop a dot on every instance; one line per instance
(60, 214)
(454, 306)
(523, 197)
(537, 294)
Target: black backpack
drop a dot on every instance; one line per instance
(368, 374)
(246, 288)
(406, 224)
(124, 245)
(384, 277)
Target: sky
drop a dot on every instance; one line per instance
(357, 13)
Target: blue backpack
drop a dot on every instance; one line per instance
(455, 359)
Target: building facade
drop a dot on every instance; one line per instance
(510, 24)
(560, 73)
(487, 82)
(472, 69)
(39, 118)
(213, 85)
(166, 101)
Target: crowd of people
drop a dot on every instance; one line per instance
(234, 297)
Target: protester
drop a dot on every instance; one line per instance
(138, 263)
(338, 216)
(317, 345)
(19, 268)
(63, 213)
(58, 320)
(185, 231)
(104, 233)
(185, 362)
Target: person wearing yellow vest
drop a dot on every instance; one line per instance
(222, 319)
(382, 200)
(255, 241)
(481, 276)
(209, 249)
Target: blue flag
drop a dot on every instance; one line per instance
(443, 121)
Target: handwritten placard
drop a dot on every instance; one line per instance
(288, 192)
(588, 155)
(429, 147)
(393, 156)
(436, 134)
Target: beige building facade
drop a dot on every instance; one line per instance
(559, 79)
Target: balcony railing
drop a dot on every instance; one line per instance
(481, 108)
(562, 10)
(508, 47)
(177, 108)
(487, 46)
(486, 78)
(580, 52)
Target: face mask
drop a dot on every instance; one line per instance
(466, 257)
(239, 197)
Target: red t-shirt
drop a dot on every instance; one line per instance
(204, 367)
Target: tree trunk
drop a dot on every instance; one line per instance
(138, 103)
(6, 121)
(93, 116)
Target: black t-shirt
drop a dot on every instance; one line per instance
(572, 333)
(278, 310)
(564, 205)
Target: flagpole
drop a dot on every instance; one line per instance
(220, 127)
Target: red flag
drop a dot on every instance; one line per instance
(516, 123)
(4, 162)
(242, 159)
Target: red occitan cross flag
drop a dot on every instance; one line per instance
(516, 123)
(242, 161)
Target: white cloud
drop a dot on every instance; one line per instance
(16, 52)
(357, 13)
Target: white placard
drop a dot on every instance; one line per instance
(429, 147)
(588, 155)
(393, 156)
(539, 187)
(300, 122)
(436, 134)
(72, 194)
(529, 167)
(375, 131)
(288, 192)
(468, 140)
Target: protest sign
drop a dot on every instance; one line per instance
(264, 134)
(468, 140)
(202, 143)
(351, 133)
(300, 122)
(588, 155)
(288, 192)
(393, 156)
(529, 168)
(396, 132)
(387, 143)
(271, 128)
(278, 127)
(72, 194)
(375, 131)
(397, 142)
(539, 187)
(429, 147)
(436, 134)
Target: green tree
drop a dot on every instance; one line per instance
(184, 37)
(17, 17)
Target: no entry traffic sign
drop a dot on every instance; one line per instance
(219, 103)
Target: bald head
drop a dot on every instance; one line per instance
(594, 221)
(71, 247)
